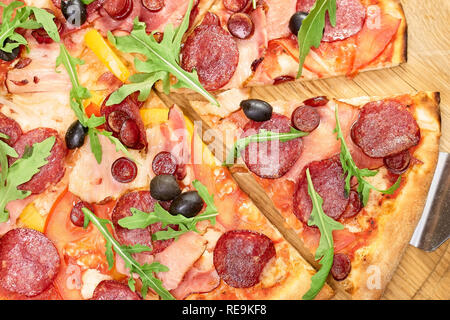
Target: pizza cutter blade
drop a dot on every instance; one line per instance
(434, 226)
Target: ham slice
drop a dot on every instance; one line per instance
(278, 15)
(179, 257)
(372, 40)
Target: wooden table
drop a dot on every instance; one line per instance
(420, 275)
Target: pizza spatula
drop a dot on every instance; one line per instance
(434, 226)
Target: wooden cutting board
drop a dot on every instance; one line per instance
(420, 275)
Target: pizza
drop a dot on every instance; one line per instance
(107, 193)
(370, 159)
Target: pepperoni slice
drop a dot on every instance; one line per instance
(118, 9)
(77, 215)
(153, 5)
(271, 159)
(211, 18)
(143, 201)
(164, 163)
(354, 205)
(114, 290)
(241, 255)
(319, 101)
(125, 122)
(385, 128)
(213, 52)
(398, 163)
(328, 179)
(140, 200)
(305, 118)
(11, 128)
(235, 5)
(350, 16)
(240, 25)
(28, 262)
(341, 266)
(54, 170)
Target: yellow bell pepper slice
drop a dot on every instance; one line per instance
(154, 116)
(31, 218)
(107, 56)
(95, 98)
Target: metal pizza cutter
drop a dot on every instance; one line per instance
(433, 228)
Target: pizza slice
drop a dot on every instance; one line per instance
(370, 162)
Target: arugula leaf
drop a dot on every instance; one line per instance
(77, 94)
(21, 19)
(20, 171)
(141, 219)
(311, 31)
(261, 136)
(145, 272)
(325, 250)
(86, 2)
(162, 59)
(350, 168)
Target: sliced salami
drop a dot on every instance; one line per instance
(235, 5)
(211, 51)
(241, 255)
(385, 128)
(271, 159)
(350, 16)
(341, 266)
(114, 290)
(328, 179)
(28, 262)
(54, 170)
(125, 122)
(140, 200)
(164, 163)
(11, 128)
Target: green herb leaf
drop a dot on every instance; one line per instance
(86, 2)
(351, 170)
(145, 272)
(22, 19)
(325, 250)
(141, 219)
(20, 172)
(162, 59)
(261, 136)
(311, 31)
